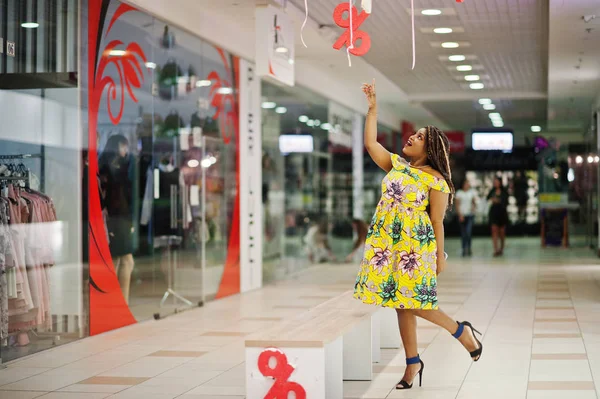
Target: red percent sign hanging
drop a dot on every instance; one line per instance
(357, 21)
(280, 373)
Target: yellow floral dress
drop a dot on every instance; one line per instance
(400, 260)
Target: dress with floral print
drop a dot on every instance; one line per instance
(399, 264)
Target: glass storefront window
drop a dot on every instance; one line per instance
(296, 185)
(41, 276)
(164, 139)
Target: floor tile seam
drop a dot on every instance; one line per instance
(537, 292)
(583, 340)
(209, 380)
(21, 379)
(125, 364)
(506, 287)
(72, 343)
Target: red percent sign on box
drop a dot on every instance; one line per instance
(357, 21)
(281, 373)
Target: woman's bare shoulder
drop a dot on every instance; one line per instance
(434, 173)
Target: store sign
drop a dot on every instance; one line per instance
(457, 141)
(518, 159)
(250, 145)
(275, 45)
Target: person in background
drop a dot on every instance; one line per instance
(317, 243)
(361, 229)
(520, 190)
(114, 176)
(498, 215)
(466, 203)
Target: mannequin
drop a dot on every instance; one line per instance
(117, 186)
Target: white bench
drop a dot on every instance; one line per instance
(316, 351)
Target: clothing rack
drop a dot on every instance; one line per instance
(20, 156)
(27, 177)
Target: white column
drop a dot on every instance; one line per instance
(598, 185)
(250, 148)
(357, 166)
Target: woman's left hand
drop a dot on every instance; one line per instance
(441, 265)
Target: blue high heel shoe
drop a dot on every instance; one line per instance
(413, 360)
(476, 354)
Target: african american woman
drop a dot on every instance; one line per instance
(404, 249)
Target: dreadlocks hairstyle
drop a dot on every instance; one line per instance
(438, 155)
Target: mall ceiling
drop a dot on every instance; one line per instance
(538, 60)
(505, 43)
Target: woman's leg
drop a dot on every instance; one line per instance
(441, 319)
(124, 275)
(407, 322)
(117, 263)
(495, 238)
(502, 234)
(469, 232)
(463, 236)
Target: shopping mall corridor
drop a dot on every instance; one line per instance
(539, 311)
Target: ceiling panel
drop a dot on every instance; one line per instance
(465, 115)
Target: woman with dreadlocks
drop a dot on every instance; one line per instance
(404, 249)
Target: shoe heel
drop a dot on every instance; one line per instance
(421, 374)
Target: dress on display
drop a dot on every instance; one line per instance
(400, 259)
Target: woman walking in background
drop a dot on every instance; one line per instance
(317, 243)
(466, 203)
(404, 250)
(114, 175)
(498, 215)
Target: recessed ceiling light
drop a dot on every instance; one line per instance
(150, 65)
(431, 11)
(495, 115)
(326, 126)
(484, 101)
(30, 25)
(310, 123)
(476, 86)
(472, 78)
(464, 68)
(457, 58)
(117, 53)
(443, 31)
(193, 163)
(317, 122)
(281, 50)
(281, 110)
(225, 90)
(498, 124)
(450, 45)
(303, 118)
(203, 83)
(536, 129)
(268, 105)
(489, 107)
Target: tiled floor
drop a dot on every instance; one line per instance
(539, 311)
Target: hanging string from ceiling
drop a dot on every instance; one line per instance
(304, 23)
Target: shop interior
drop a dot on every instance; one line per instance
(42, 286)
